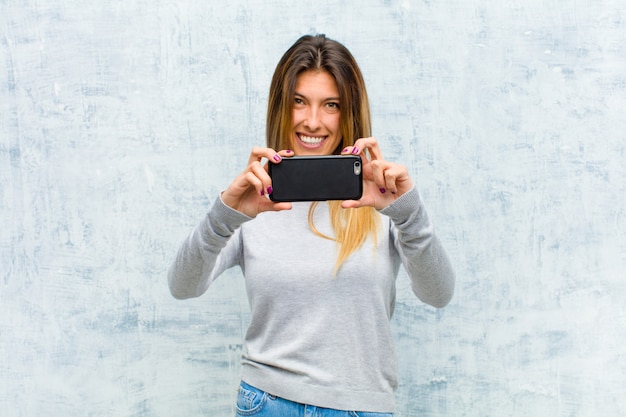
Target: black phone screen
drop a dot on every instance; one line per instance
(317, 178)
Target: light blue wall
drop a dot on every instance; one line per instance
(120, 121)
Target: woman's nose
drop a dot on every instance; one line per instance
(312, 121)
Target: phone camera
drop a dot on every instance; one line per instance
(357, 168)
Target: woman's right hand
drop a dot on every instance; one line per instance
(248, 192)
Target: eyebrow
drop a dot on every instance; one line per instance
(326, 99)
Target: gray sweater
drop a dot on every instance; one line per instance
(316, 337)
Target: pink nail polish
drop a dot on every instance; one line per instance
(270, 190)
(355, 150)
(383, 191)
(277, 158)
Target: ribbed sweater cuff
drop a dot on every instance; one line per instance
(224, 220)
(405, 206)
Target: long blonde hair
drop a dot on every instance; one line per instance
(350, 226)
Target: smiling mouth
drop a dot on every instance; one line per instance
(311, 140)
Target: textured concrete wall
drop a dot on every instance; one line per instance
(120, 121)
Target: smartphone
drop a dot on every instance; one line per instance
(317, 178)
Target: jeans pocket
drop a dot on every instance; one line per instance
(250, 401)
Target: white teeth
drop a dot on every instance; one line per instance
(311, 140)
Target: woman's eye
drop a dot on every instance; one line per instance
(298, 100)
(333, 105)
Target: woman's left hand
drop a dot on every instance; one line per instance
(383, 181)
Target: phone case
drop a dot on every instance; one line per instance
(317, 178)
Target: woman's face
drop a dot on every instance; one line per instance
(316, 113)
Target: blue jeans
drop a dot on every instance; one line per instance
(254, 402)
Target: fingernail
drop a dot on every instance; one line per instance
(355, 150)
(289, 151)
(344, 150)
(277, 158)
(262, 192)
(270, 189)
(383, 191)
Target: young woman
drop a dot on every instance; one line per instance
(320, 277)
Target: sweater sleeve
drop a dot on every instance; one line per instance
(421, 251)
(212, 247)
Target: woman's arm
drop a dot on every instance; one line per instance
(212, 247)
(421, 251)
